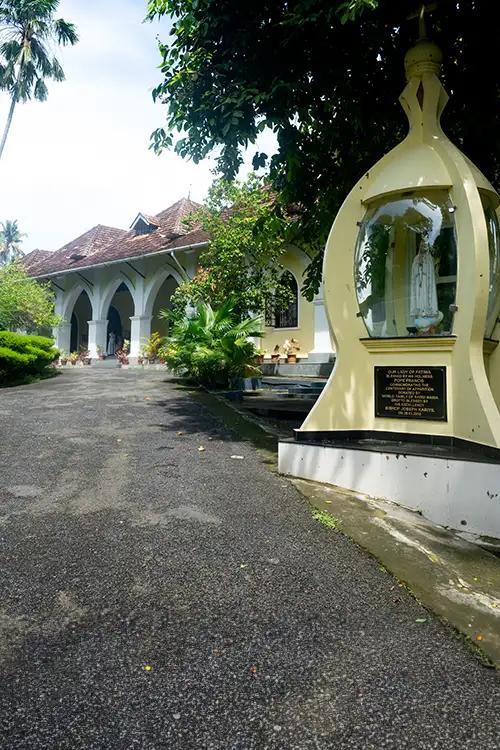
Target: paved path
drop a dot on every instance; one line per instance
(155, 596)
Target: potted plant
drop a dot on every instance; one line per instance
(84, 356)
(259, 357)
(275, 354)
(63, 358)
(73, 358)
(122, 354)
(163, 354)
(100, 352)
(291, 347)
(152, 346)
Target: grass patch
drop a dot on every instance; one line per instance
(325, 519)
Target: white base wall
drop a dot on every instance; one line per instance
(446, 491)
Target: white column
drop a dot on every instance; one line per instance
(140, 330)
(98, 331)
(62, 336)
(323, 350)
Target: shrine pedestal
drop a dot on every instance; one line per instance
(451, 485)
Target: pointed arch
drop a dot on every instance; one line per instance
(79, 314)
(119, 312)
(70, 299)
(154, 286)
(109, 292)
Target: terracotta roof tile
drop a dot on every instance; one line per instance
(103, 244)
(35, 258)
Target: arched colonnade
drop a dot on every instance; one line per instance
(123, 302)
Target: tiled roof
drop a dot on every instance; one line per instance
(34, 258)
(102, 244)
(170, 229)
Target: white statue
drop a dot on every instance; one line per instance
(423, 296)
(110, 351)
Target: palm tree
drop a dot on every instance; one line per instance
(10, 237)
(27, 29)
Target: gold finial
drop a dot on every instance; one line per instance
(420, 14)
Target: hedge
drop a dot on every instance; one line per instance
(22, 355)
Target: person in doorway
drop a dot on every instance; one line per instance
(110, 351)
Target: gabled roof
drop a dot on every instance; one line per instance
(101, 244)
(170, 228)
(151, 220)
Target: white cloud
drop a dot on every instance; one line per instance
(81, 158)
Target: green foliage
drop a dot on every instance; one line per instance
(325, 76)
(28, 32)
(10, 238)
(22, 355)
(152, 346)
(248, 233)
(213, 346)
(326, 519)
(24, 302)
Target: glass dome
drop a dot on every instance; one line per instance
(405, 265)
(494, 252)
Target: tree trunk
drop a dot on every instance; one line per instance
(9, 123)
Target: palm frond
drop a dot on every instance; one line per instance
(40, 90)
(65, 32)
(57, 73)
(27, 30)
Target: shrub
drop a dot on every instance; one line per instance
(22, 355)
(24, 302)
(152, 346)
(213, 346)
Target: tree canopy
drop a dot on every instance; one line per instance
(325, 76)
(28, 32)
(24, 303)
(10, 240)
(248, 235)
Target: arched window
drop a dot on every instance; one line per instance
(287, 317)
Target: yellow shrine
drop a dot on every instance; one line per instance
(412, 293)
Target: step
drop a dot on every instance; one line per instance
(310, 369)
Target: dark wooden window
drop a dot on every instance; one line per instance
(142, 228)
(287, 317)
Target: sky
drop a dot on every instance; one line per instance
(82, 157)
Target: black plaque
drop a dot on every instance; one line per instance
(411, 393)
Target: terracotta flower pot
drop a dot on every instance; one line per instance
(291, 359)
(275, 358)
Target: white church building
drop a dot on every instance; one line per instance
(111, 280)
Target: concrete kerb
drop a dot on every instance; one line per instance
(455, 579)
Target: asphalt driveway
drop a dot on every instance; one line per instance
(155, 595)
